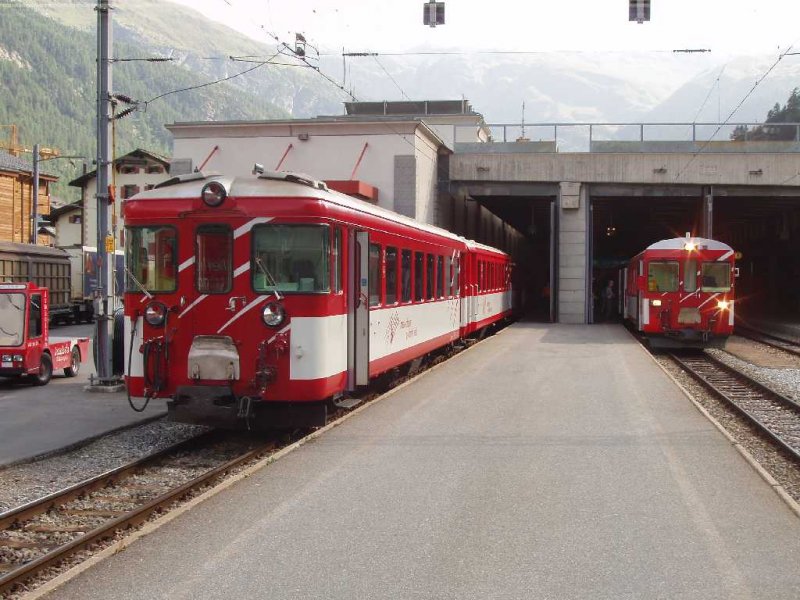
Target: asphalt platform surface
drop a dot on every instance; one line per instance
(36, 421)
(550, 461)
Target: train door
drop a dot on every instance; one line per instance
(358, 310)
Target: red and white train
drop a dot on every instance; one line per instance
(679, 293)
(255, 302)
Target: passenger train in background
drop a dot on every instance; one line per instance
(679, 293)
(256, 302)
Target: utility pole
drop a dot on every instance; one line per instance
(34, 237)
(105, 376)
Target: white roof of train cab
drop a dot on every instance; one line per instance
(289, 185)
(680, 242)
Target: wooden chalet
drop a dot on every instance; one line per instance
(16, 191)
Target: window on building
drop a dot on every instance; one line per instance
(152, 169)
(75, 219)
(129, 191)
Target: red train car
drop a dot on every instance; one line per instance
(680, 293)
(255, 302)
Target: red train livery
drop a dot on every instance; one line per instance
(679, 292)
(254, 302)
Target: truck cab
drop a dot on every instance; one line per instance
(26, 348)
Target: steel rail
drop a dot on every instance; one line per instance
(42, 505)
(133, 517)
(769, 339)
(693, 367)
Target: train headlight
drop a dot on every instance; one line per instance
(689, 246)
(213, 194)
(273, 314)
(656, 302)
(155, 313)
(723, 304)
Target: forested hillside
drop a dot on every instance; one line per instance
(788, 113)
(48, 88)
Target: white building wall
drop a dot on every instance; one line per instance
(330, 152)
(68, 234)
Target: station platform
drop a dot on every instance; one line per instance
(783, 326)
(37, 421)
(549, 461)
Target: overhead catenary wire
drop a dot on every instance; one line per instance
(733, 112)
(389, 75)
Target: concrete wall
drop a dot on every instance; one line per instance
(651, 168)
(572, 250)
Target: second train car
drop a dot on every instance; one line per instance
(255, 302)
(679, 293)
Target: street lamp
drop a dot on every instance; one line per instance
(33, 238)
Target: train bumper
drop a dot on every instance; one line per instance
(217, 406)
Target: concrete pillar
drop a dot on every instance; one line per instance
(572, 243)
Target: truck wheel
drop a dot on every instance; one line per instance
(45, 371)
(75, 363)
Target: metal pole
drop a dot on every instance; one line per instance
(104, 42)
(34, 238)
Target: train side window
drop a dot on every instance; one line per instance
(481, 276)
(214, 252)
(337, 261)
(291, 258)
(431, 278)
(374, 275)
(690, 275)
(448, 277)
(391, 275)
(419, 276)
(405, 275)
(456, 272)
(440, 277)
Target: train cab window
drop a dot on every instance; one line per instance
(151, 259)
(419, 276)
(405, 275)
(337, 261)
(291, 258)
(662, 276)
(391, 275)
(440, 278)
(374, 275)
(431, 278)
(716, 277)
(448, 277)
(35, 316)
(214, 252)
(690, 275)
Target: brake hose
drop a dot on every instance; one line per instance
(130, 357)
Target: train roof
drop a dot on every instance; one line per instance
(680, 242)
(292, 185)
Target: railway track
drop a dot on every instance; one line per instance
(47, 531)
(776, 416)
(770, 339)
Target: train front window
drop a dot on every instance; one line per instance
(214, 252)
(150, 259)
(662, 276)
(716, 277)
(690, 275)
(291, 258)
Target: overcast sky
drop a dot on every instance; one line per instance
(724, 26)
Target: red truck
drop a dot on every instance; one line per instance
(26, 348)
